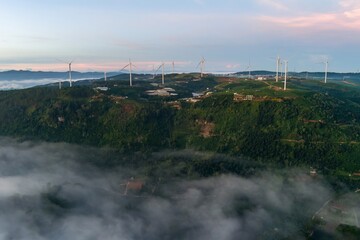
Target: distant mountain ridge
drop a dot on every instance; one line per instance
(27, 74)
(308, 75)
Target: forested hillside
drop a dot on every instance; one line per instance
(306, 126)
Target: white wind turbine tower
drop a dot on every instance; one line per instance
(286, 72)
(202, 66)
(249, 68)
(173, 67)
(130, 65)
(326, 69)
(70, 78)
(105, 77)
(278, 63)
(154, 72)
(162, 75)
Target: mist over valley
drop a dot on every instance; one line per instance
(62, 191)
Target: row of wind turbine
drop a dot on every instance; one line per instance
(130, 65)
(280, 62)
(201, 64)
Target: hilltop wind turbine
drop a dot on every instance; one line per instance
(105, 78)
(154, 72)
(278, 63)
(326, 62)
(130, 65)
(70, 78)
(173, 67)
(249, 68)
(69, 64)
(202, 66)
(286, 72)
(162, 75)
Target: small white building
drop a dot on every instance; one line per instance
(169, 89)
(249, 97)
(158, 92)
(104, 89)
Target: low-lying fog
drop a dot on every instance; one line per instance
(52, 191)
(21, 84)
(28, 83)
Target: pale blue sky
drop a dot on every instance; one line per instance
(103, 34)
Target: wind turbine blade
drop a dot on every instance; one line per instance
(158, 68)
(124, 67)
(198, 64)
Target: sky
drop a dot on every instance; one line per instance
(101, 35)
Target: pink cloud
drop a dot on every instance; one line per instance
(349, 20)
(300, 22)
(353, 14)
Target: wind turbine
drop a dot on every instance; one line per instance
(278, 62)
(69, 64)
(130, 65)
(70, 78)
(154, 72)
(105, 78)
(173, 67)
(162, 75)
(326, 69)
(249, 68)
(286, 72)
(202, 66)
